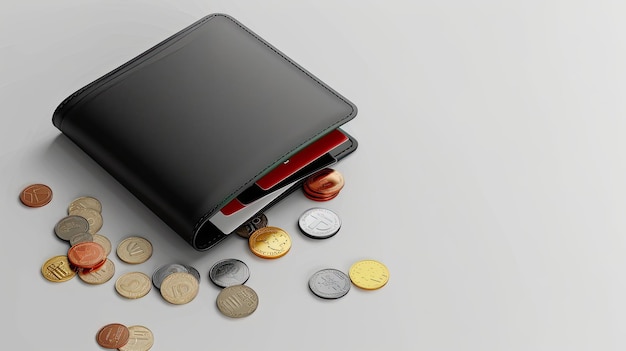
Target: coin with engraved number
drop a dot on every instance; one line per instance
(134, 250)
(57, 269)
(69, 226)
(237, 301)
(229, 272)
(269, 242)
(179, 288)
(80, 238)
(164, 271)
(257, 222)
(112, 336)
(133, 285)
(36, 195)
(98, 275)
(93, 217)
(84, 202)
(369, 274)
(329, 283)
(104, 241)
(319, 223)
(140, 339)
(86, 255)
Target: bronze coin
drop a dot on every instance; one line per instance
(36, 195)
(325, 182)
(86, 255)
(113, 336)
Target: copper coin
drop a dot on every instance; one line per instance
(113, 336)
(317, 197)
(325, 182)
(86, 255)
(36, 195)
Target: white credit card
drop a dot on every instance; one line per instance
(228, 224)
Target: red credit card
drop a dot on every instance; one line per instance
(298, 161)
(233, 206)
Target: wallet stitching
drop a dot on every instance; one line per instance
(211, 211)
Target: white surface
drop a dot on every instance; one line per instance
(490, 177)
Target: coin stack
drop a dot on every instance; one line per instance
(235, 300)
(323, 185)
(178, 283)
(118, 336)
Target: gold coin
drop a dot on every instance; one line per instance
(84, 202)
(104, 242)
(133, 285)
(269, 242)
(237, 301)
(100, 275)
(92, 216)
(134, 250)
(57, 269)
(140, 339)
(369, 274)
(179, 288)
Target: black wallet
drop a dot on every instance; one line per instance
(191, 125)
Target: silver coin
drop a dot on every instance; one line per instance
(257, 222)
(164, 271)
(80, 238)
(229, 272)
(319, 223)
(329, 283)
(69, 226)
(193, 271)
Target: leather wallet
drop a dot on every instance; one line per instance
(193, 122)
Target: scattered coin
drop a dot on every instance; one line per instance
(179, 288)
(164, 271)
(134, 250)
(80, 238)
(69, 226)
(319, 223)
(140, 339)
(113, 336)
(57, 269)
(98, 275)
(229, 272)
(104, 242)
(133, 285)
(329, 283)
(369, 274)
(84, 202)
(36, 195)
(323, 185)
(86, 255)
(269, 242)
(193, 271)
(237, 301)
(93, 217)
(257, 222)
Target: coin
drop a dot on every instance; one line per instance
(80, 238)
(246, 229)
(329, 283)
(179, 288)
(319, 223)
(92, 216)
(112, 336)
(84, 202)
(104, 241)
(323, 185)
(269, 242)
(133, 285)
(193, 271)
(229, 272)
(57, 269)
(369, 274)
(237, 301)
(164, 271)
(86, 255)
(69, 226)
(99, 275)
(134, 250)
(140, 339)
(36, 195)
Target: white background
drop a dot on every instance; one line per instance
(490, 177)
